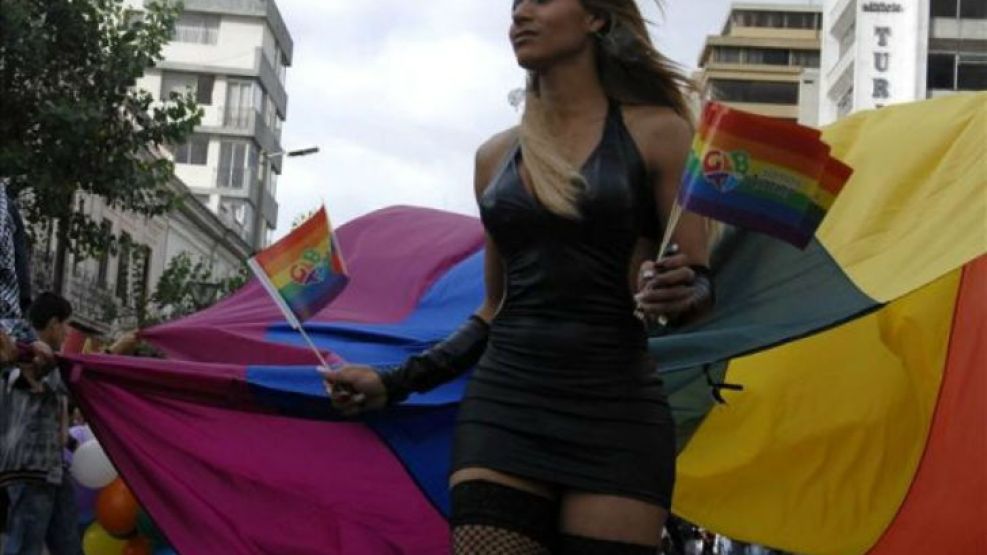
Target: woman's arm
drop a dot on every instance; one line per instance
(356, 388)
(678, 287)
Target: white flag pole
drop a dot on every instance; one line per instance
(285, 309)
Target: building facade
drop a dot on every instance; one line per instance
(757, 62)
(877, 53)
(233, 56)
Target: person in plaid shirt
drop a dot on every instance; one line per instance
(32, 401)
(33, 417)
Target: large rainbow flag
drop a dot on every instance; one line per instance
(761, 173)
(861, 427)
(304, 271)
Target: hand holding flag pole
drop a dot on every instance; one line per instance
(758, 173)
(303, 273)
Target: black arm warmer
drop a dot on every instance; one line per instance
(446, 360)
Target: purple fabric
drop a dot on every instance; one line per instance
(220, 475)
(385, 285)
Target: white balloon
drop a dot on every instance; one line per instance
(91, 467)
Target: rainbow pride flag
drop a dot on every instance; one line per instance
(304, 271)
(761, 173)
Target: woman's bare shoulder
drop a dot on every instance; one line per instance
(497, 146)
(490, 155)
(659, 131)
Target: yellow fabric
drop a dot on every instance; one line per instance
(818, 451)
(916, 206)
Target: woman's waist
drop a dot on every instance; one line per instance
(566, 342)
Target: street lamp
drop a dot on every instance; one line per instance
(291, 153)
(266, 156)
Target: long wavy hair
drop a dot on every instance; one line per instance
(631, 71)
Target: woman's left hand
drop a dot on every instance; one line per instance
(672, 289)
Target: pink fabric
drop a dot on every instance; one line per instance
(188, 442)
(385, 286)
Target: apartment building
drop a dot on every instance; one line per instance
(756, 63)
(877, 53)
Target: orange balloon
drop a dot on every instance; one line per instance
(116, 509)
(138, 546)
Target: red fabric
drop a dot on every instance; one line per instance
(946, 508)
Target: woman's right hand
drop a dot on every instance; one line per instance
(355, 389)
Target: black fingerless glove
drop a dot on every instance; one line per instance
(442, 363)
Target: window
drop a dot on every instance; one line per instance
(142, 260)
(279, 62)
(241, 104)
(845, 104)
(106, 227)
(942, 71)
(773, 20)
(760, 92)
(848, 39)
(271, 115)
(272, 184)
(767, 56)
(805, 58)
(237, 162)
(727, 54)
(974, 9)
(201, 85)
(971, 72)
(133, 17)
(123, 268)
(237, 214)
(197, 28)
(963, 72)
(195, 151)
(944, 8)
(801, 21)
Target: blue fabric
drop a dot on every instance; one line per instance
(420, 430)
(756, 278)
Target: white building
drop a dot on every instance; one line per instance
(757, 60)
(232, 54)
(106, 291)
(877, 53)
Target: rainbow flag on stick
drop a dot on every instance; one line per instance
(304, 271)
(761, 173)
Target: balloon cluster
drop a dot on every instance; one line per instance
(113, 521)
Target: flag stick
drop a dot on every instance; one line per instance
(285, 310)
(673, 222)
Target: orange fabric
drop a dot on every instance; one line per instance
(945, 510)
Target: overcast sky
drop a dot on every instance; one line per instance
(398, 94)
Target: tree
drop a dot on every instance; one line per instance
(72, 121)
(173, 296)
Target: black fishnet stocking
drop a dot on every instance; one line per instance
(475, 539)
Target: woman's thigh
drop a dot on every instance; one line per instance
(488, 475)
(611, 518)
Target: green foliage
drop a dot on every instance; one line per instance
(71, 119)
(173, 296)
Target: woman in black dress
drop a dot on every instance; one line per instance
(564, 441)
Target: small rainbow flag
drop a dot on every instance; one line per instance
(304, 271)
(761, 173)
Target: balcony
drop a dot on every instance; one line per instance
(251, 8)
(272, 83)
(270, 209)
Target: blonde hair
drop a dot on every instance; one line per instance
(631, 71)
